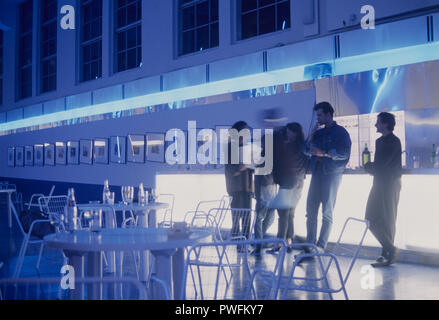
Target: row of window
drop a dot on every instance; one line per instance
(198, 29)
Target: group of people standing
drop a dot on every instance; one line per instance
(325, 154)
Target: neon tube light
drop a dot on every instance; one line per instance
(371, 61)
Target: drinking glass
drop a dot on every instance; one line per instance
(111, 197)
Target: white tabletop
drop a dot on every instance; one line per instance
(122, 239)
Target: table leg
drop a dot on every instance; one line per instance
(110, 255)
(163, 272)
(10, 204)
(178, 272)
(145, 263)
(94, 270)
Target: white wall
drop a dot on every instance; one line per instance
(297, 106)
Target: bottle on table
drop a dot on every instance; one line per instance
(71, 212)
(106, 192)
(141, 195)
(365, 157)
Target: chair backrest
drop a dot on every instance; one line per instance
(219, 270)
(165, 216)
(203, 208)
(356, 229)
(235, 223)
(50, 288)
(53, 207)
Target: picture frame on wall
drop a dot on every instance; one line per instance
(177, 149)
(29, 156)
(155, 147)
(19, 156)
(100, 151)
(11, 157)
(73, 152)
(221, 145)
(136, 148)
(118, 149)
(39, 155)
(86, 151)
(61, 153)
(49, 154)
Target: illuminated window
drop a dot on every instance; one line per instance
(48, 28)
(198, 25)
(257, 17)
(24, 84)
(91, 44)
(128, 34)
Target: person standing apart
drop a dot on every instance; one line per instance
(239, 183)
(330, 149)
(382, 204)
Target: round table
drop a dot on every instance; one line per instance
(144, 219)
(167, 250)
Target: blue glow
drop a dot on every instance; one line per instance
(366, 62)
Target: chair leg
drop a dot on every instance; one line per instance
(39, 256)
(20, 258)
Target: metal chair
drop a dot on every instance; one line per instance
(33, 202)
(203, 208)
(219, 222)
(224, 273)
(234, 223)
(53, 209)
(166, 216)
(324, 262)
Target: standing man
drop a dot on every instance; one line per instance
(330, 149)
(383, 199)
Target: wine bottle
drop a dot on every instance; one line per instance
(71, 212)
(365, 156)
(105, 192)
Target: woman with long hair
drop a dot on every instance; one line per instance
(289, 170)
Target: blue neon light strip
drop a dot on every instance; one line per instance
(371, 61)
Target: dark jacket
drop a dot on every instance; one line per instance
(387, 163)
(289, 163)
(334, 141)
(238, 180)
(263, 180)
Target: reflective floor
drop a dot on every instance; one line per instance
(400, 281)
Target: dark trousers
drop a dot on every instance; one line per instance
(285, 228)
(241, 220)
(381, 211)
(322, 190)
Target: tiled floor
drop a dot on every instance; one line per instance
(400, 281)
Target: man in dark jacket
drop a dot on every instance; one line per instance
(383, 199)
(330, 149)
(239, 183)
